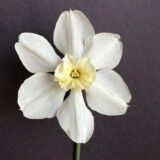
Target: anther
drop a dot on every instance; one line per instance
(75, 74)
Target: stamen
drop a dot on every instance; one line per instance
(75, 74)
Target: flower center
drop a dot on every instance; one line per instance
(73, 73)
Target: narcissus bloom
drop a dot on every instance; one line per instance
(87, 65)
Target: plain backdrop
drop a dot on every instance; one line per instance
(134, 136)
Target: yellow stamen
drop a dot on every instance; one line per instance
(75, 74)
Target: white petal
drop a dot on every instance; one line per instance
(102, 101)
(75, 119)
(105, 50)
(36, 53)
(40, 96)
(113, 83)
(72, 28)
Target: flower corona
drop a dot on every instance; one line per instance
(73, 73)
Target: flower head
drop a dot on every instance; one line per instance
(87, 65)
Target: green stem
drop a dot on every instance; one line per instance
(77, 151)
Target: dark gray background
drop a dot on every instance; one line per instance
(134, 136)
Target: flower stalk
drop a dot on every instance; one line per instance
(77, 151)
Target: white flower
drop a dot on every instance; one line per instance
(87, 65)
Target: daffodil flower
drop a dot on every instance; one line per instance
(87, 65)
